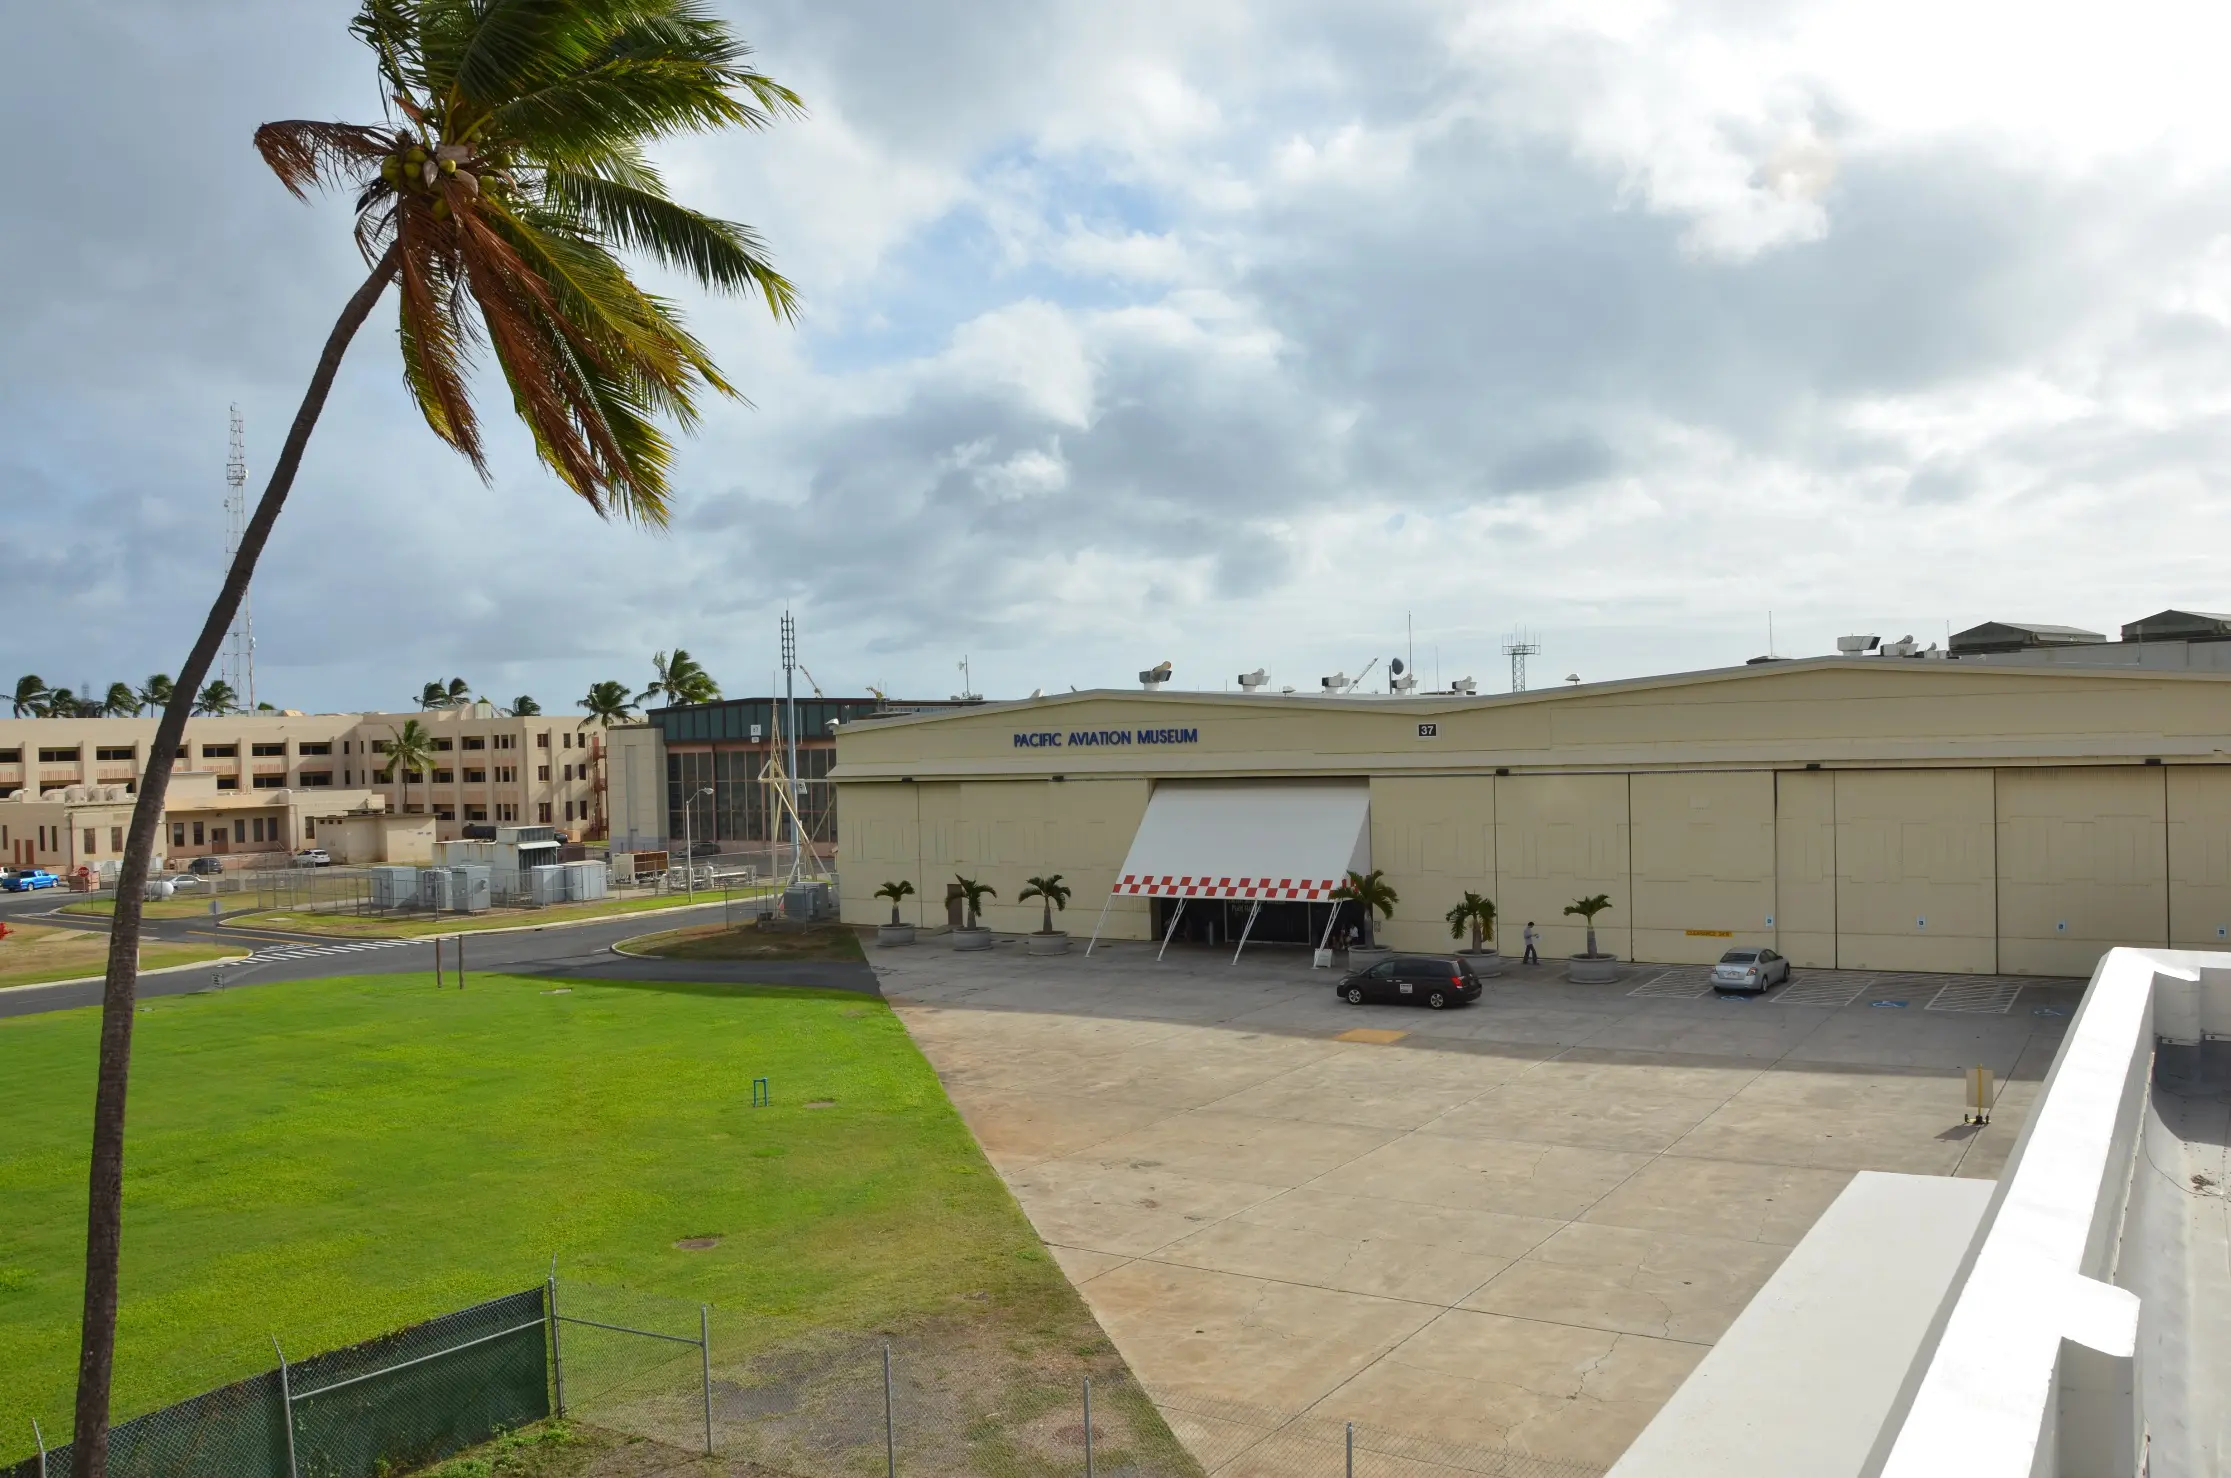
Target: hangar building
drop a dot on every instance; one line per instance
(1850, 812)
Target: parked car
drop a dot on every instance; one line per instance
(1435, 981)
(208, 866)
(313, 857)
(1753, 970)
(26, 879)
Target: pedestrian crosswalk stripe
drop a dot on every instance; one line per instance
(289, 952)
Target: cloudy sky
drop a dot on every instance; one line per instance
(1230, 333)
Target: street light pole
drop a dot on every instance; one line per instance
(689, 848)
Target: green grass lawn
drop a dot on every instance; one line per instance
(372, 926)
(185, 906)
(33, 954)
(327, 1160)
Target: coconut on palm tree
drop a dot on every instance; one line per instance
(1476, 914)
(1587, 908)
(679, 679)
(497, 195)
(1371, 893)
(31, 696)
(897, 892)
(410, 752)
(1052, 893)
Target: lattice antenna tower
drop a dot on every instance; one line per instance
(240, 661)
(1518, 648)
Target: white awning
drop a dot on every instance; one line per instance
(1263, 841)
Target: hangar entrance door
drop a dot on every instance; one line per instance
(1228, 854)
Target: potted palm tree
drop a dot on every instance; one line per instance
(1053, 894)
(973, 934)
(1477, 915)
(895, 932)
(1371, 894)
(1594, 967)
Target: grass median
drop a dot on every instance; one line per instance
(420, 926)
(35, 954)
(328, 1160)
(749, 942)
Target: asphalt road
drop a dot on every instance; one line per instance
(559, 951)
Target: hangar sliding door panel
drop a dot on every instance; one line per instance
(1434, 837)
(1559, 838)
(2083, 866)
(2199, 856)
(1914, 882)
(1805, 867)
(1703, 845)
(877, 844)
(1093, 823)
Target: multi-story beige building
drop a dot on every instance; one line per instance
(488, 768)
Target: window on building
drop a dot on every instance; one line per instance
(178, 833)
(228, 782)
(507, 741)
(115, 752)
(415, 777)
(116, 839)
(542, 812)
(255, 828)
(184, 753)
(445, 813)
(476, 813)
(379, 746)
(240, 831)
(476, 777)
(441, 746)
(60, 756)
(309, 828)
(317, 777)
(569, 810)
(569, 738)
(269, 751)
(542, 772)
(199, 839)
(542, 741)
(320, 747)
(220, 751)
(11, 756)
(271, 782)
(475, 741)
(92, 841)
(445, 777)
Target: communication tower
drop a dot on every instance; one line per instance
(240, 654)
(1518, 648)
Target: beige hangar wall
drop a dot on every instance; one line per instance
(2083, 865)
(2199, 847)
(1914, 870)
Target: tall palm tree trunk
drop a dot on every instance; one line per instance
(104, 1217)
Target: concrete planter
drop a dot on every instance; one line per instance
(972, 939)
(1592, 969)
(1363, 957)
(1056, 943)
(894, 934)
(1484, 962)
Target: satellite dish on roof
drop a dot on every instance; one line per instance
(1395, 667)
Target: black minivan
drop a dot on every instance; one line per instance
(1434, 981)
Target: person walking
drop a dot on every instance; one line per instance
(1533, 937)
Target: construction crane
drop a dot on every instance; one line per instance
(811, 683)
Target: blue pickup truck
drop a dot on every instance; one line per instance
(24, 879)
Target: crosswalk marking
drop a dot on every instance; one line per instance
(287, 953)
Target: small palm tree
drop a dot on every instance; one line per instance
(410, 751)
(156, 691)
(62, 703)
(453, 694)
(121, 702)
(606, 704)
(1477, 914)
(31, 696)
(1054, 894)
(217, 699)
(680, 679)
(1371, 893)
(975, 893)
(897, 892)
(523, 706)
(1588, 908)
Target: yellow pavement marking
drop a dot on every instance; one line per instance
(1377, 1036)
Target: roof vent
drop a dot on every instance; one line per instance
(1852, 646)
(1337, 683)
(1464, 685)
(1155, 676)
(1250, 681)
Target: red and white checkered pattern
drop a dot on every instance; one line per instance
(1167, 886)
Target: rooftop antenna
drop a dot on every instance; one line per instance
(966, 694)
(790, 746)
(1518, 648)
(240, 661)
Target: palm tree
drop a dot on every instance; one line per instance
(62, 703)
(523, 706)
(897, 892)
(216, 700)
(121, 701)
(606, 704)
(1477, 914)
(410, 751)
(1588, 908)
(31, 695)
(436, 694)
(680, 679)
(498, 194)
(975, 893)
(1055, 894)
(1371, 893)
(157, 692)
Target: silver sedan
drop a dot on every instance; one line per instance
(1753, 970)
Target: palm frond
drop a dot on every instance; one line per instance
(303, 152)
(720, 254)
